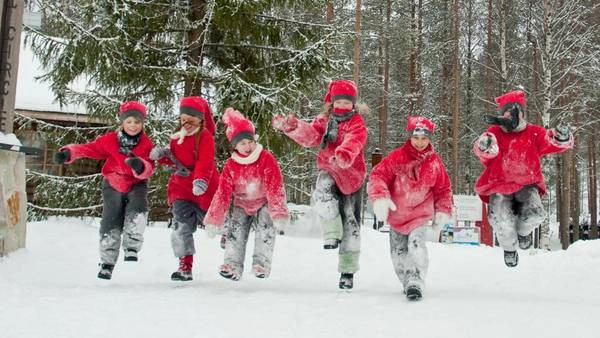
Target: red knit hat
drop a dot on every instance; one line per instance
(132, 108)
(341, 89)
(517, 96)
(237, 126)
(198, 107)
(418, 125)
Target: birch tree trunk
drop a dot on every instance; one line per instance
(357, 34)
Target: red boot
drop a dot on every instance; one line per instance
(184, 273)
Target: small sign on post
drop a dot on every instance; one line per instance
(467, 209)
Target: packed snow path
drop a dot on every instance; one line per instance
(50, 289)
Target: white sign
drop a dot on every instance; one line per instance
(461, 235)
(468, 208)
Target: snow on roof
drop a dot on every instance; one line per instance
(9, 139)
(33, 94)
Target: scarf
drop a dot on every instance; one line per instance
(247, 159)
(182, 133)
(127, 142)
(331, 133)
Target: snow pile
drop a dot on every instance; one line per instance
(9, 139)
(50, 289)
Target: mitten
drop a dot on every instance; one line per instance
(159, 152)
(280, 224)
(382, 207)
(562, 134)
(485, 142)
(212, 230)
(62, 156)
(199, 187)
(285, 123)
(136, 164)
(343, 158)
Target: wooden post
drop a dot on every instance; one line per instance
(11, 17)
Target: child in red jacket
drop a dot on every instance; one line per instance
(125, 187)
(408, 188)
(194, 179)
(512, 180)
(341, 135)
(253, 178)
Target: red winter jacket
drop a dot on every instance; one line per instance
(417, 183)
(516, 162)
(343, 159)
(252, 185)
(119, 175)
(197, 153)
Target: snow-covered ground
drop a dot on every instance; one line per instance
(50, 289)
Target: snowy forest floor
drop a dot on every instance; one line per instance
(50, 289)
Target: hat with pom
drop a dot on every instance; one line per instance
(132, 108)
(517, 96)
(198, 107)
(418, 125)
(341, 89)
(237, 126)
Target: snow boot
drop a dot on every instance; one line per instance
(511, 258)
(259, 271)
(346, 281)
(184, 273)
(130, 255)
(227, 271)
(526, 241)
(106, 271)
(413, 293)
(331, 243)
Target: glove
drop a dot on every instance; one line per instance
(136, 164)
(159, 152)
(441, 220)
(381, 208)
(485, 142)
(562, 133)
(62, 156)
(280, 224)
(212, 230)
(343, 159)
(285, 123)
(199, 187)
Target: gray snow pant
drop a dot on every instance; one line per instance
(186, 218)
(513, 214)
(339, 215)
(122, 213)
(237, 232)
(409, 256)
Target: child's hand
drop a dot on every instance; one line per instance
(440, 220)
(159, 152)
(62, 156)
(382, 207)
(285, 123)
(562, 133)
(212, 230)
(280, 224)
(343, 159)
(136, 164)
(199, 187)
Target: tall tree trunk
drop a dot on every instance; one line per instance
(357, 35)
(469, 96)
(414, 71)
(592, 185)
(575, 178)
(565, 199)
(503, 66)
(383, 111)
(329, 13)
(195, 37)
(455, 95)
(534, 116)
(489, 75)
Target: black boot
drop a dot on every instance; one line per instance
(526, 241)
(130, 255)
(413, 293)
(105, 271)
(511, 258)
(331, 243)
(347, 281)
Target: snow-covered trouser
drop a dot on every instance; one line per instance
(515, 214)
(339, 216)
(122, 213)
(186, 218)
(409, 256)
(238, 230)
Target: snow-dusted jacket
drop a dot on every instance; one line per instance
(253, 181)
(417, 183)
(343, 159)
(119, 175)
(197, 153)
(515, 162)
